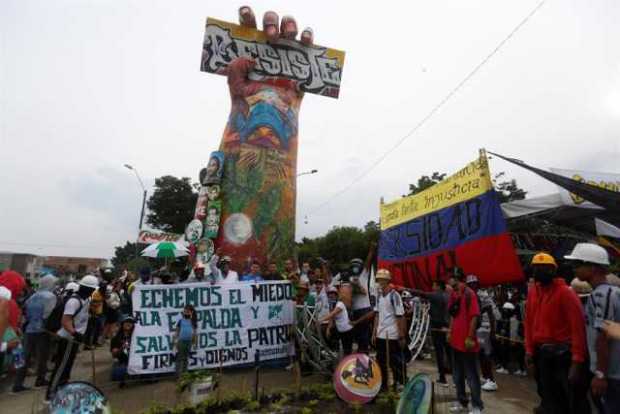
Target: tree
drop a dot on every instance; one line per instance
(171, 207)
(508, 190)
(425, 182)
(123, 254)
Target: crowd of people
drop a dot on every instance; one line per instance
(565, 335)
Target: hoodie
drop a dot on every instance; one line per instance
(14, 282)
(40, 305)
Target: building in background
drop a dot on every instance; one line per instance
(32, 266)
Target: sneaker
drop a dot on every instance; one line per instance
(520, 373)
(457, 407)
(489, 386)
(475, 410)
(18, 389)
(289, 367)
(501, 370)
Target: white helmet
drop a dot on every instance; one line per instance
(72, 286)
(589, 252)
(89, 281)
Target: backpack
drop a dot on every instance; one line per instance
(54, 322)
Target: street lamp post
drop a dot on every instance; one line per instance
(129, 167)
(308, 172)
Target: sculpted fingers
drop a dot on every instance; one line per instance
(270, 25)
(246, 17)
(288, 28)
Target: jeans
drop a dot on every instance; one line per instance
(183, 350)
(362, 330)
(442, 353)
(65, 357)
(465, 365)
(558, 395)
(35, 344)
(397, 362)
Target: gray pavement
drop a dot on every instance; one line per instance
(515, 394)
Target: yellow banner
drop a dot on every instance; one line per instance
(469, 182)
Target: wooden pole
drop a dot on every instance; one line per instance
(92, 361)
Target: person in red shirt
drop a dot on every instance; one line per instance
(464, 311)
(555, 341)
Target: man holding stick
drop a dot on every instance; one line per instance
(389, 331)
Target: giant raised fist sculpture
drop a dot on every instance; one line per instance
(268, 73)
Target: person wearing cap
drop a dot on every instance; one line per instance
(339, 316)
(591, 264)
(303, 295)
(464, 312)
(389, 331)
(485, 333)
(73, 326)
(555, 343)
(582, 289)
(119, 347)
(221, 268)
(509, 349)
(36, 341)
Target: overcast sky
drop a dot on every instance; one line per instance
(86, 86)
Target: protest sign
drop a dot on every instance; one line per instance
(235, 321)
(457, 222)
(603, 180)
(317, 69)
(153, 236)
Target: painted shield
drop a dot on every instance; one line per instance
(416, 397)
(79, 397)
(193, 231)
(357, 379)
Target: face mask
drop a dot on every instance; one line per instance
(145, 278)
(544, 276)
(186, 316)
(356, 270)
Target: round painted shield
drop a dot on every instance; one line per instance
(416, 396)
(357, 379)
(193, 231)
(79, 397)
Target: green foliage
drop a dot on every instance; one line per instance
(282, 243)
(425, 182)
(190, 377)
(124, 254)
(387, 400)
(306, 410)
(338, 246)
(172, 204)
(508, 190)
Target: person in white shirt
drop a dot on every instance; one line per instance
(362, 310)
(339, 316)
(389, 331)
(220, 268)
(73, 326)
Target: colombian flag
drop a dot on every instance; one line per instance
(457, 222)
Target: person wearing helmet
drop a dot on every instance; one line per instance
(198, 274)
(555, 343)
(464, 311)
(389, 330)
(73, 326)
(362, 310)
(37, 342)
(591, 264)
